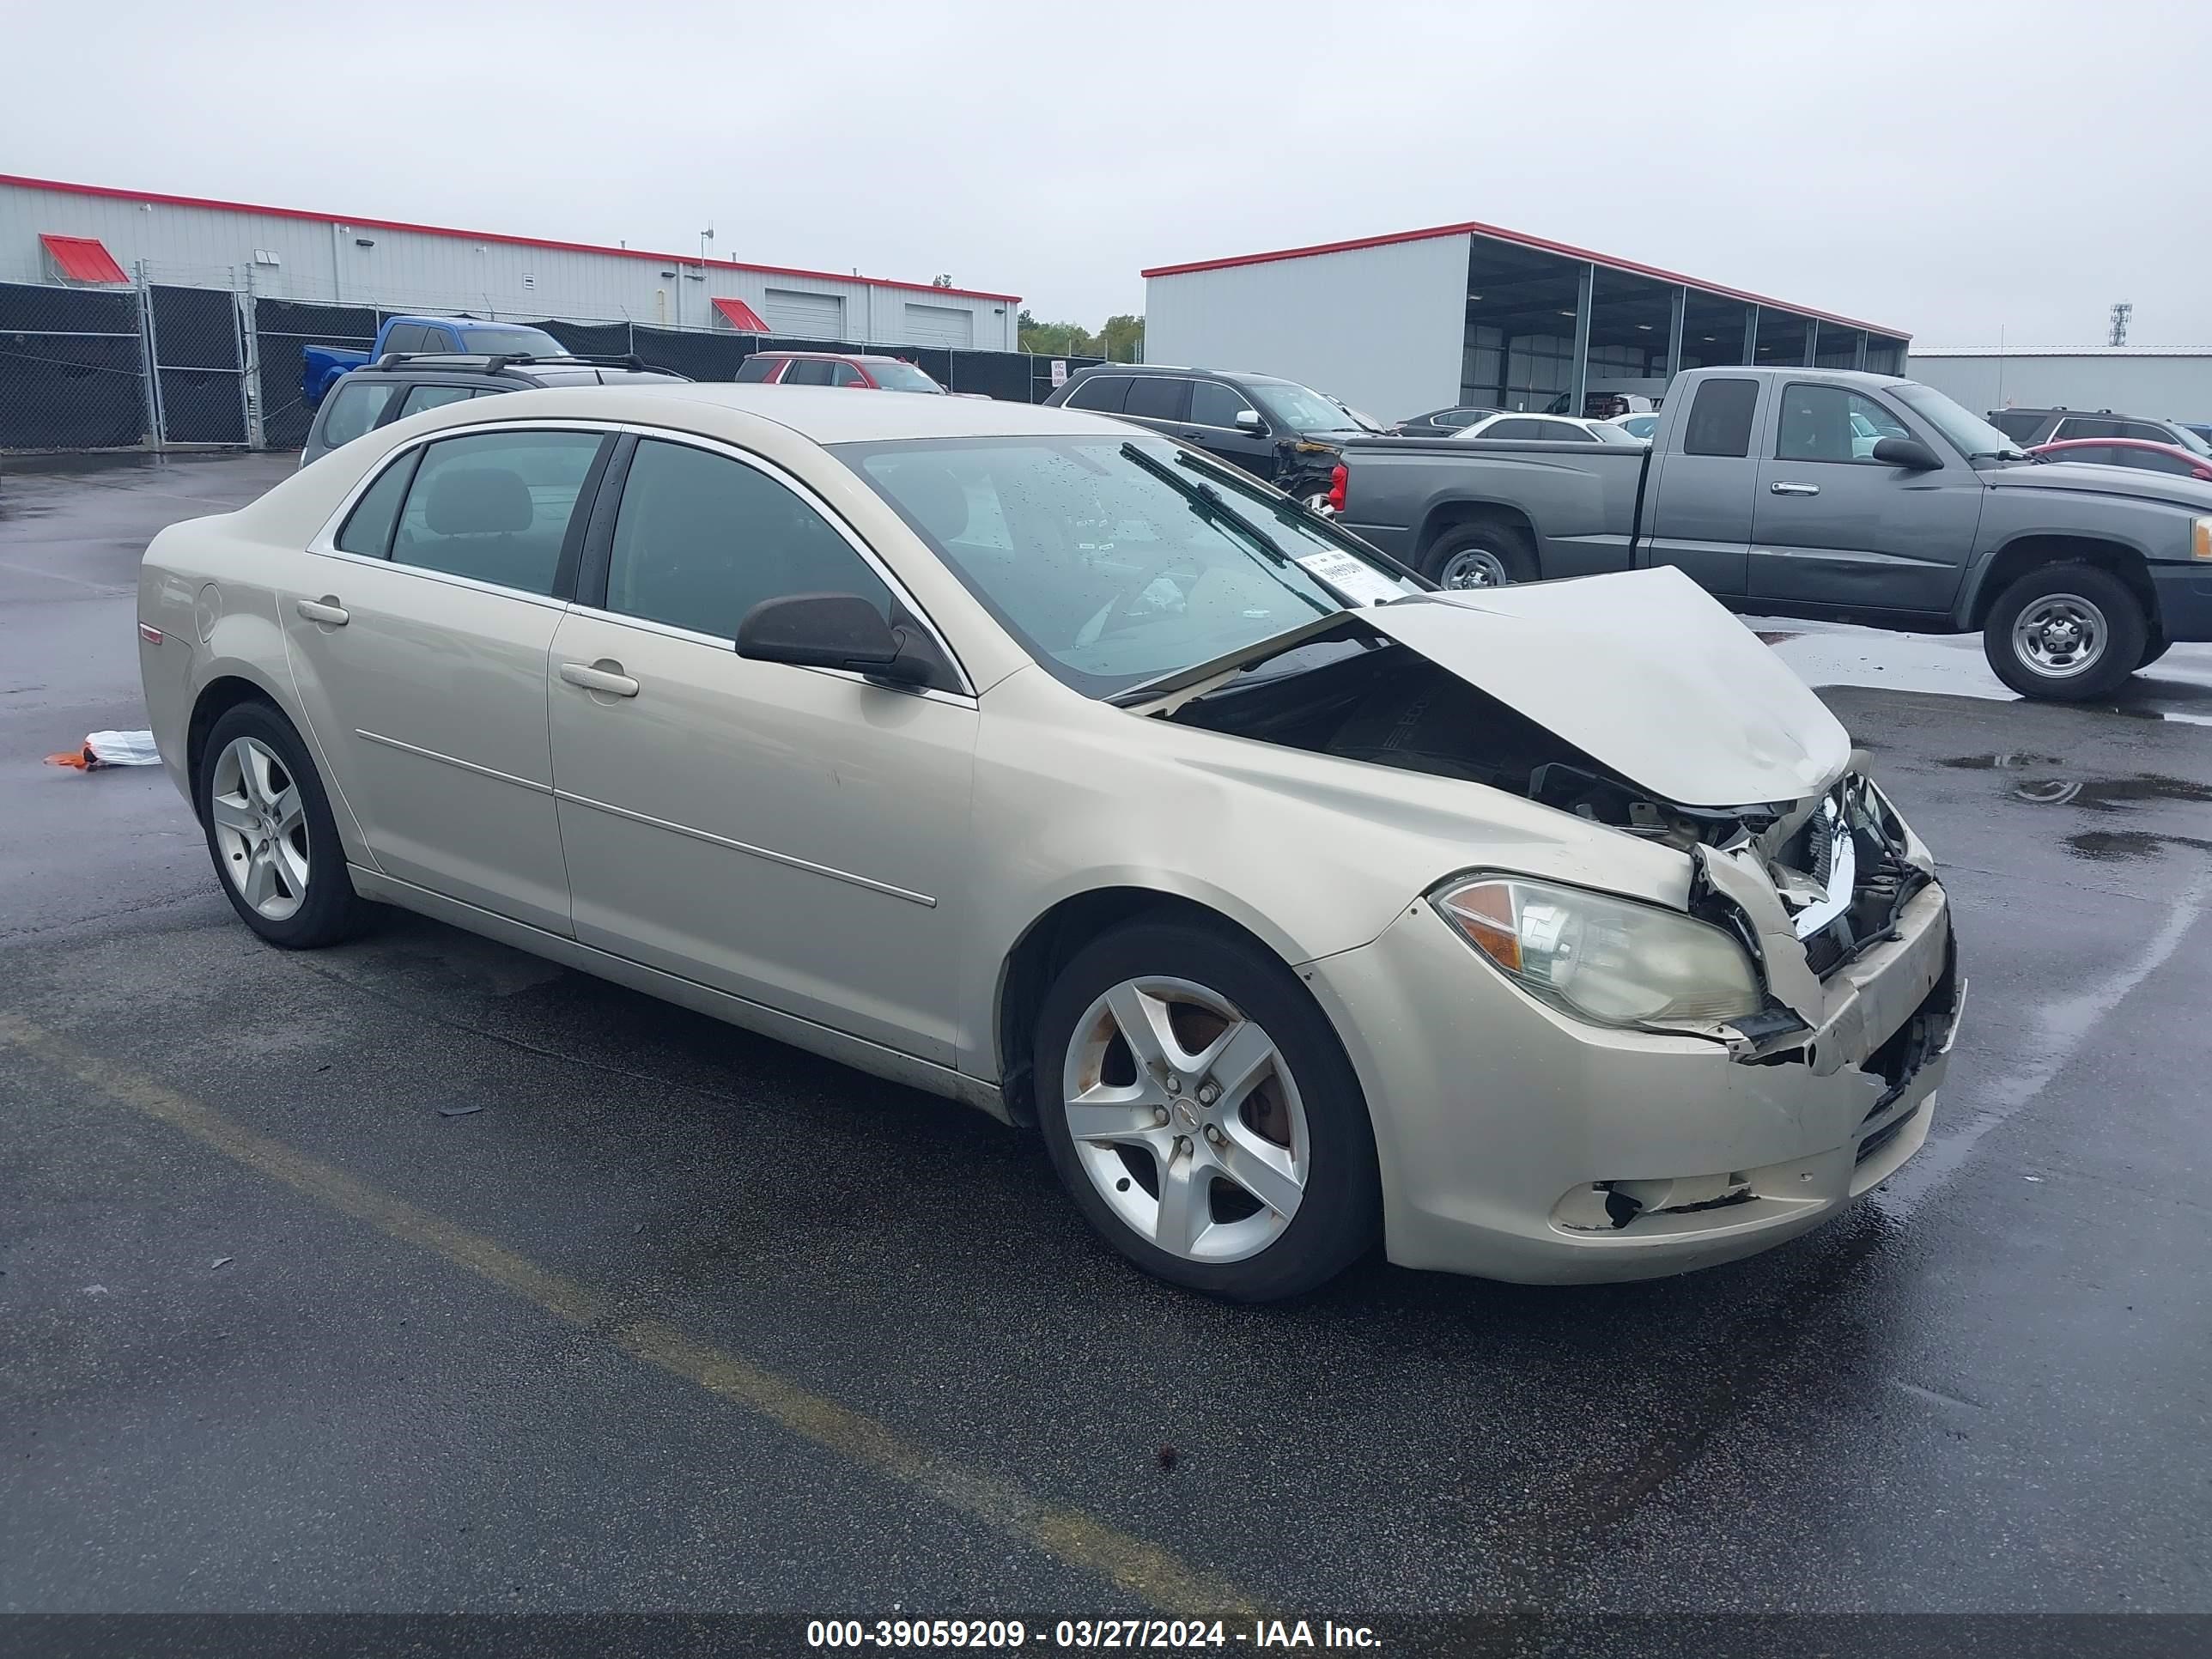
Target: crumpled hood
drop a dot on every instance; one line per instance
(2086, 477)
(1644, 671)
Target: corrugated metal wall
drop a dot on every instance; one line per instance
(1379, 327)
(325, 260)
(2178, 387)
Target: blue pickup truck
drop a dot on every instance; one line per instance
(322, 364)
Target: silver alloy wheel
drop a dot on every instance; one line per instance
(260, 827)
(1473, 566)
(2060, 635)
(1186, 1119)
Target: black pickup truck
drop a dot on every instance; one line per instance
(1824, 493)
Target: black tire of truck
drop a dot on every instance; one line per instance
(2066, 633)
(2154, 648)
(1481, 553)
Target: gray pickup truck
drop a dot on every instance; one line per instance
(1825, 493)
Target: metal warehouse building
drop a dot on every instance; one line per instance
(1470, 314)
(92, 234)
(2171, 383)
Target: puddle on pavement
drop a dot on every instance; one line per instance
(2000, 762)
(2125, 846)
(2096, 794)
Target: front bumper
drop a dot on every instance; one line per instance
(1515, 1140)
(2184, 600)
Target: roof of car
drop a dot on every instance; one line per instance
(464, 366)
(1241, 374)
(827, 415)
(840, 356)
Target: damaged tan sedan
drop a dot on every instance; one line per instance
(1550, 933)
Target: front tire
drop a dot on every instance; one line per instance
(269, 831)
(2066, 633)
(1487, 553)
(1202, 1115)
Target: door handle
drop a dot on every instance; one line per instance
(326, 610)
(1786, 487)
(604, 677)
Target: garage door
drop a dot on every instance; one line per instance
(939, 325)
(807, 316)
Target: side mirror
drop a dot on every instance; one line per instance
(1908, 453)
(831, 630)
(1248, 420)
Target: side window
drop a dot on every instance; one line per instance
(1827, 423)
(807, 371)
(2158, 460)
(1157, 396)
(355, 409)
(1104, 394)
(2103, 455)
(1720, 419)
(1212, 403)
(421, 397)
(701, 539)
(2017, 425)
(1514, 428)
(757, 369)
(1565, 433)
(2086, 426)
(368, 527)
(2147, 433)
(403, 337)
(1456, 418)
(495, 506)
(846, 374)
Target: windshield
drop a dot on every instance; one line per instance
(1109, 560)
(1971, 435)
(903, 377)
(513, 343)
(2192, 441)
(1301, 408)
(1640, 426)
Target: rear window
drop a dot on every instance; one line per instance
(1720, 419)
(355, 409)
(2016, 424)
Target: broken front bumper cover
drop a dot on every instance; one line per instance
(1519, 1143)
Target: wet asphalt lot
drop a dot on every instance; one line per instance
(681, 1319)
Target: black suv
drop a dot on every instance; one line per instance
(399, 383)
(2029, 427)
(1286, 433)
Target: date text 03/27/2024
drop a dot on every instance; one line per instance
(1169, 1634)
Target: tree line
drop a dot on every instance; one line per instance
(1119, 339)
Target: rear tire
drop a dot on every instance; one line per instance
(1485, 553)
(1235, 1158)
(269, 832)
(2153, 649)
(2066, 633)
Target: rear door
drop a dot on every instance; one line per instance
(1161, 401)
(1700, 499)
(418, 634)
(1833, 526)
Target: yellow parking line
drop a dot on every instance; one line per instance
(1068, 1535)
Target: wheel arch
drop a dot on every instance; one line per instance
(2022, 554)
(216, 698)
(1049, 942)
(1445, 517)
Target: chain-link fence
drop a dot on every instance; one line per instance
(227, 365)
(72, 369)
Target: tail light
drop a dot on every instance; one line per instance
(1338, 477)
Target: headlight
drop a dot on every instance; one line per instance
(1607, 959)
(2200, 540)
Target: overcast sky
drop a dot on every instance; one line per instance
(1940, 167)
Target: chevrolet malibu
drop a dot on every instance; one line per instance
(1549, 934)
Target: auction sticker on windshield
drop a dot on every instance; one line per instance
(1358, 580)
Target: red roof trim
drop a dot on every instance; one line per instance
(113, 194)
(738, 315)
(83, 258)
(1475, 228)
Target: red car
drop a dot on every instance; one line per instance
(2130, 452)
(835, 368)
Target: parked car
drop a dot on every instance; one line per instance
(1548, 429)
(1043, 763)
(1286, 433)
(1441, 422)
(2029, 427)
(1637, 426)
(1829, 493)
(321, 365)
(397, 387)
(2202, 428)
(2130, 451)
(846, 368)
